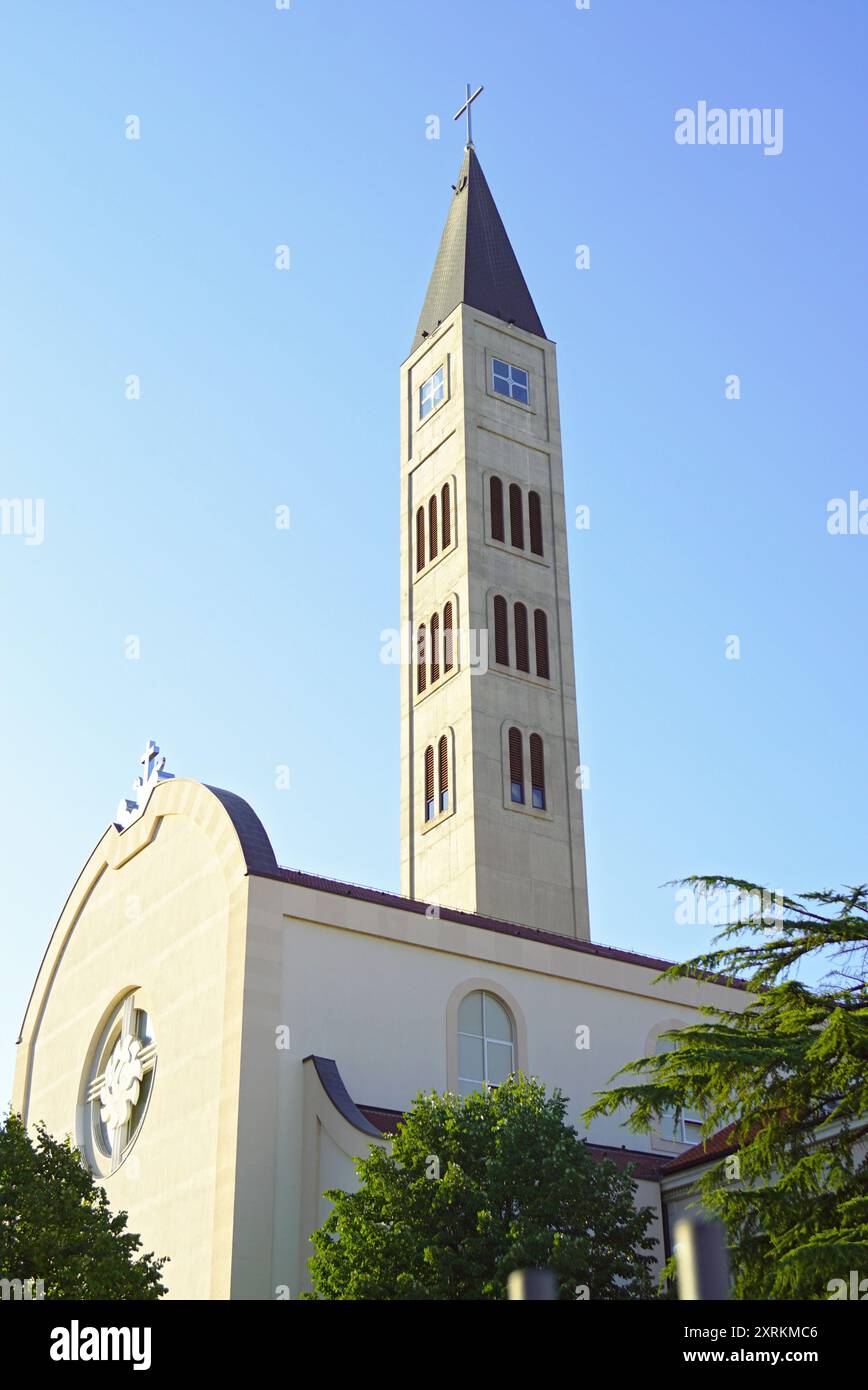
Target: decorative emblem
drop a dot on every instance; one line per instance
(154, 763)
(122, 1082)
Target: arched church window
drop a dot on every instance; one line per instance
(429, 782)
(516, 516)
(534, 518)
(516, 766)
(522, 652)
(119, 1084)
(495, 488)
(486, 1043)
(537, 773)
(420, 539)
(421, 647)
(445, 516)
(443, 772)
(687, 1129)
(448, 651)
(501, 633)
(432, 527)
(541, 643)
(435, 648)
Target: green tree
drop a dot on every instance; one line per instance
(56, 1224)
(790, 1073)
(475, 1188)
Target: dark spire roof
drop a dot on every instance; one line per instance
(476, 264)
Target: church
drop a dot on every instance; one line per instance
(221, 1036)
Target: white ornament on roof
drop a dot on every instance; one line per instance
(154, 764)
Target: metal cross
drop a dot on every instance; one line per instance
(466, 108)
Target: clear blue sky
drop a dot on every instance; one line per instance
(261, 647)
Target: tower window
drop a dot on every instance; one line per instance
(443, 772)
(516, 766)
(435, 648)
(541, 643)
(432, 527)
(445, 516)
(537, 773)
(534, 517)
(432, 392)
(448, 655)
(420, 539)
(501, 634)
(510, 381)
(522, 654)
(421, 647)
(496, 496)
(516, 517)
(429, 782)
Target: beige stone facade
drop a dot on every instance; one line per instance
(489, 854)
(262, 984)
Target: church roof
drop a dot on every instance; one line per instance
(476, 264)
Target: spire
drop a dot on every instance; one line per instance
(475, 263)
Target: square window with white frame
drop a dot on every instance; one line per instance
(510, 381)
(432, 392)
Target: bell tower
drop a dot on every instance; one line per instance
(491, 814)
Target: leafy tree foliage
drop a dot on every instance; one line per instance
(791, 1074)
(475, 1188)
(56, 1224)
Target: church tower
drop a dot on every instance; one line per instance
(491, 815)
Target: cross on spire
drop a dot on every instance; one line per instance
(466, 108)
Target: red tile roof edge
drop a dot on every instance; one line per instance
(471, 919)
(647, 1165)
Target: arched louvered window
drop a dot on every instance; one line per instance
(421, 647)
(534, 521)
(448, 652)
(445, 516)
(516, 766)
(537, 773)
(435, 648)
(429, 782)
(496, 495)
(541, 643)
(516, 517)
(432, 528)
(501, 631)
(420, 539)
(522, 652)
(443, 771)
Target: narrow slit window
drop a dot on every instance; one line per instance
(501, 631)
(445, 516)
(443, 772)
(448, 639)
(541, 643)
(534, 519)
(421, 646)
(522, 652)
(516, 517)
(495, 489)
(516, 766)
(429, 782)
(537, 773)
(420, 539)
(432, 528)
(435, 648)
